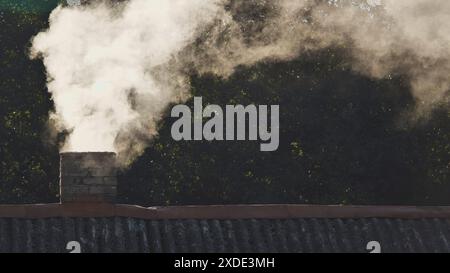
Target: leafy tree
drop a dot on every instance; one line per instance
(28, 164)
(342, 138)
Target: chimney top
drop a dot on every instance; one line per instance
(88, 177)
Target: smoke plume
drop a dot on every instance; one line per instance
(104, 63)
(114, 68)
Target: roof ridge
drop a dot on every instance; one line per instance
(256, 211)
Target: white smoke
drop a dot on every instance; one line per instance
(403, 37)
(113, 69)
(102, 62)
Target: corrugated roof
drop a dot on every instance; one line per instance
(303, 229)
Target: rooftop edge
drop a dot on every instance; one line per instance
(221, 212)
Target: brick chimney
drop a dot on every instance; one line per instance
(88, 177)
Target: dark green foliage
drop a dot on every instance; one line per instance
(343, 139)
(28, 164)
